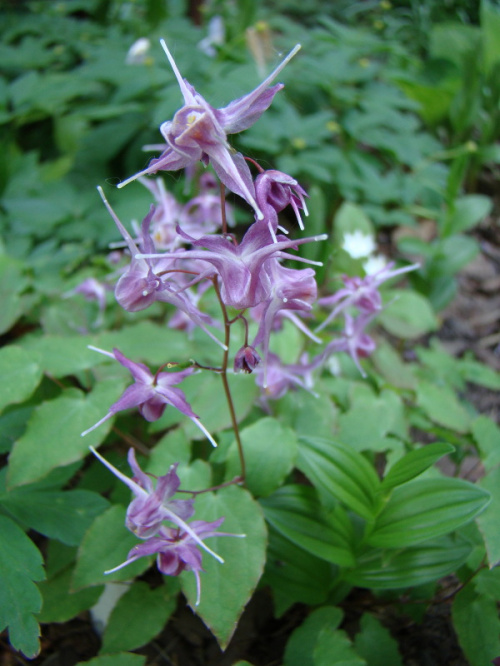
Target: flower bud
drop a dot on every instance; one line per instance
(246, 360)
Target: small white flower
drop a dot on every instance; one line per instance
(358, 244)
(374, 264)
(138, 52)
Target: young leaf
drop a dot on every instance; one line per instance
(339, 472)
(297, 514)
(53, 436)
(105, 546)
(20, 375)
(475, 619)
(375, 643)
(244, 558)
(139, 615)
(266, 440)
(300, 648)
(426, 509)
(20, 564)
(414, 463)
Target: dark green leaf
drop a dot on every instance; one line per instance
(414, 463)
(300, 648)
(475, 619)
(375, 643)
(60, 604)
(20, 375)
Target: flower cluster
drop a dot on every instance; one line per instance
(179, 253)
(176, 545)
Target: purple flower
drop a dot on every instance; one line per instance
(177, 548)
(145, 281)
(198, 131)
(246, 360)
(361, 293)
(280, 377)
(150, 393)
(353, 340)
(274, 191)
(244, 283)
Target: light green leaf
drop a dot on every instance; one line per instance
(63, 515)
(339, 473)
(469, 211)
(300, 647)
(139, 615)
(488, 521)
(307, 414)
(375, 643)
(426, 509)
(409, 567)
(475, 619)
(20, 374)
(270, 452)
(490, 30)
(106, 545)
(295, 512)
(53, 435)
(225, 581)
(333, 648)
(414, 463)
(60, 604)
(442, 406)
(20, 564)
(407, 315)
(390, 365)
(487, 436)
(12, 283)
(123, 659)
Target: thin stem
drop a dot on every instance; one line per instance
(225, 383)
(236, 480)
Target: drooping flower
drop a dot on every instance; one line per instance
(198, 131)
(353, 340)
(246, 359)
(146, 281)
(274, 191)
(361, 293)
(280, 377)
(177, 548)
(150, 393)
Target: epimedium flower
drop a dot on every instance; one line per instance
(150, 393)
(246, 359)
(274, 191)
(353, 340)
(145, 282)
(198, 131)
(176, 548)
(361, 293)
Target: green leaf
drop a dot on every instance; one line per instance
(270, 452)
(487, 436)
(307, 414)
(20, 375)
(20, 564)
(478, 373)
(475, 619)
(487, 582)
(139, 615)
(123, 659)
(339, 473)
(295, 575)
(12, 283)
(490, 30)
(397, 569)
(243, 515)
(442, 406)
(468, 212)
(407, 315)
(488, 521)
(106, 545)
(425, 509)
(300, 647)
(62, 515)
(295, 512)
(333, 648)
(60, 604)
(414, 463)
(53, 435)
(375, 643)
(390, 365)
